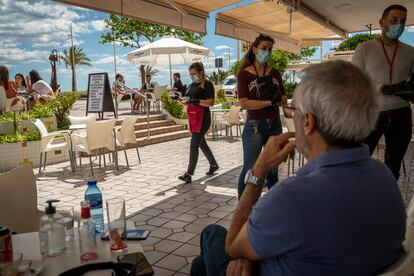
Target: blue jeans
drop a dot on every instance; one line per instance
(254, 137)
(213, 259)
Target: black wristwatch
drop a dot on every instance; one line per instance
(254, 180)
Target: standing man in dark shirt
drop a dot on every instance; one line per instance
(178, 85)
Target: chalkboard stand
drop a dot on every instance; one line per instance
(99, 95)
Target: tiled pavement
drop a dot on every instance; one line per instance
(156, 200)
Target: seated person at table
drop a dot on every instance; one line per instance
(120, 89)
(148, 86)
(342, 214)
(178, 85)
(10, 86)
(21, 83)
(38, 88)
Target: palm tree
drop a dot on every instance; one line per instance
(217, 78)
(79, 58)
(149, 70)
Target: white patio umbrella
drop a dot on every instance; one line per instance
(168, 51)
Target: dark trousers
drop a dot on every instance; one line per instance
(396, 126)
(213, 259)
(198, 140)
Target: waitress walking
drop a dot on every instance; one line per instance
(200, 97)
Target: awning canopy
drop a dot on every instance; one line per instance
(188, 15)
(295, 24)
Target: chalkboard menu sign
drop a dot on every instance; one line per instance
(99, 94)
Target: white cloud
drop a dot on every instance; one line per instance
(110, 60)
(221, 47)
(42, 24)
(17, 55)
(98, 25)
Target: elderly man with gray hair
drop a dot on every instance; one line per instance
(342, 214)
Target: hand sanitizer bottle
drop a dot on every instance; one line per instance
(52, 231)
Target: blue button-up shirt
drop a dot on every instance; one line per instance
(342, 214)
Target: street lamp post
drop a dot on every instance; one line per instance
(229, 59)
(114, 57)
(73, 60)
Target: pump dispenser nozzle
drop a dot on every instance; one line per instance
(50, 209)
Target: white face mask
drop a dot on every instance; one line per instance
(195, 78)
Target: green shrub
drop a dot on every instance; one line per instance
(33, 136)
(173, 107)
(220, 97)
(62, 106)
(42, 111)
(289, 88)
(20, 137)
(351, 43)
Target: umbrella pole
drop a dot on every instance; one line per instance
(169, 59)
(148, 125)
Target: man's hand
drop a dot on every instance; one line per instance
(276, 151)
(240, 267)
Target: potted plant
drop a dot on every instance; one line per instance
(173, 110)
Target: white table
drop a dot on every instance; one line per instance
(29, 245)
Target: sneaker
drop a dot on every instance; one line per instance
(212, 169)
(185, 177)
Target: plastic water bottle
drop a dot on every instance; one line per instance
(94, 196)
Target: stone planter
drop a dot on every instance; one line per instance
(27, 152)
(49, 122)
(176, 120)
(6, 127)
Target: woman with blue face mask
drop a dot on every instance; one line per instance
(199, 97)
(260, 89)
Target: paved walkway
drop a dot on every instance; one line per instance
(156, 200)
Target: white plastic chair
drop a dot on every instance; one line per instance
(6, 103)
(51, 141)
(99, 136)
(232, 118)
(18, 200)
(155, 96)
(81, 120)
(126, 136)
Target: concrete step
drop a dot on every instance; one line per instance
(154, 124)
(158, 130)
(143, 118)
(164, 137)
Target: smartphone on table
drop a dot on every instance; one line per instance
(132, 235)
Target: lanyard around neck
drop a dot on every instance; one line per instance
(390, 62)
(257, 72)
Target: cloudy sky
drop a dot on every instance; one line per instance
(30, 29)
